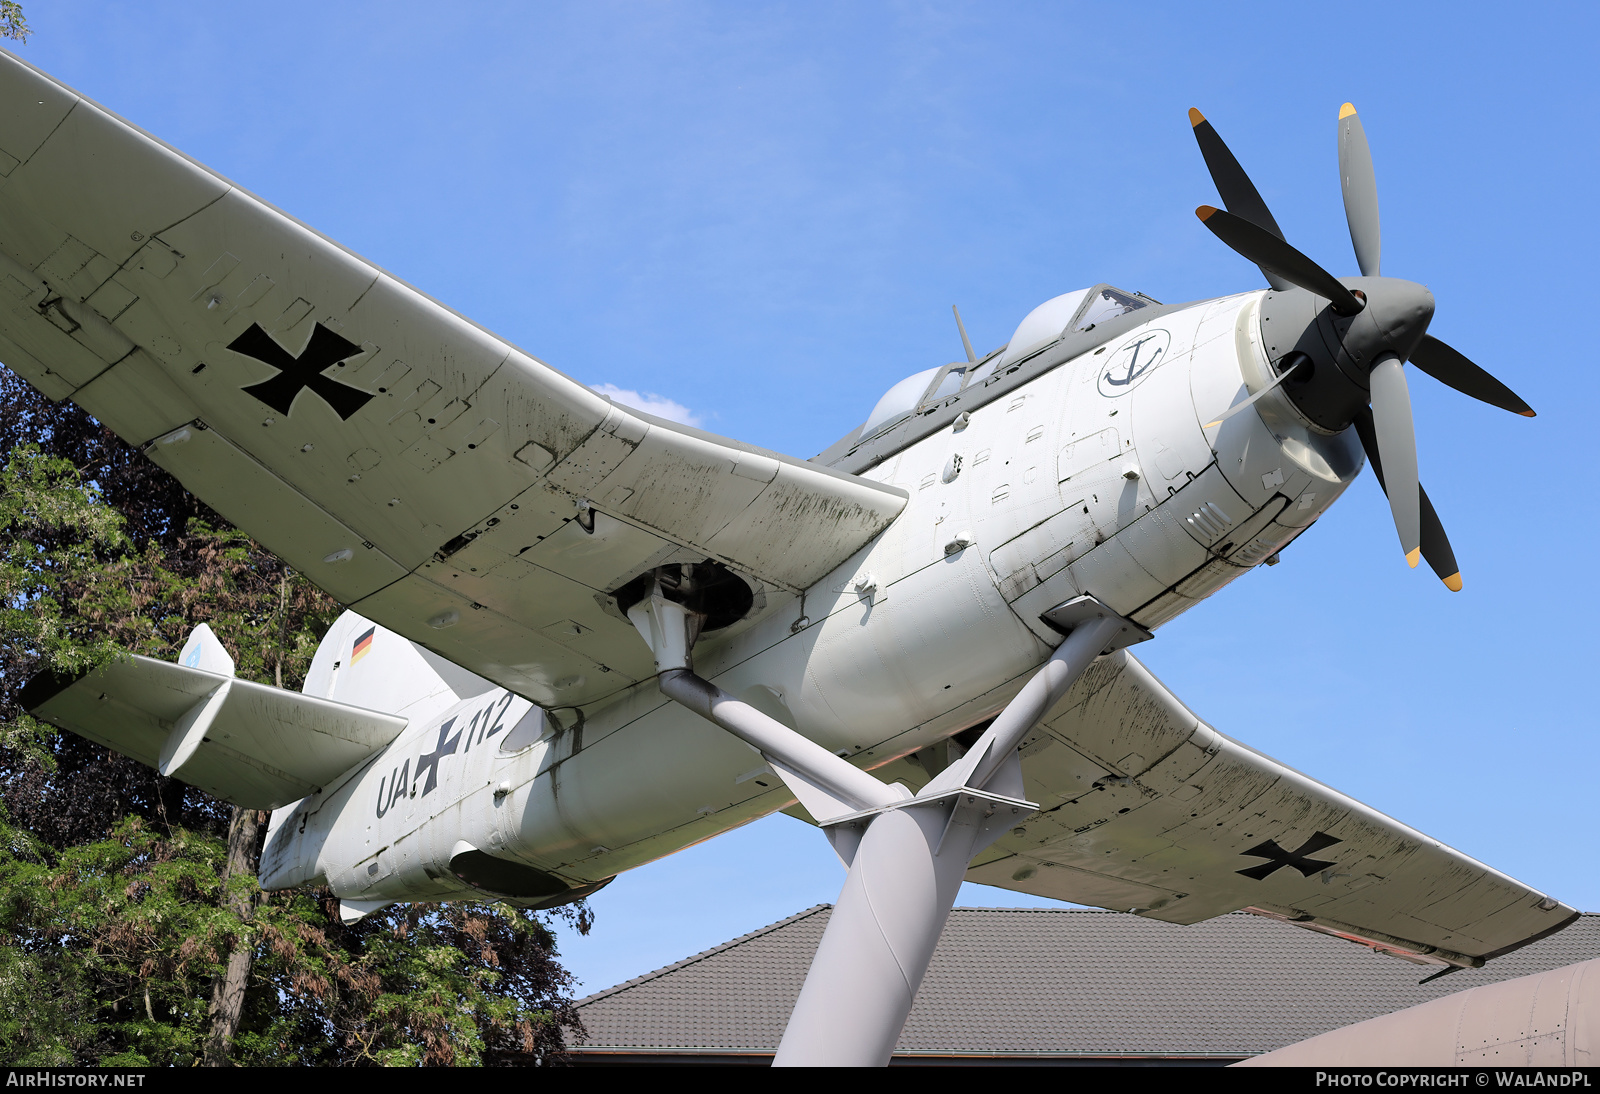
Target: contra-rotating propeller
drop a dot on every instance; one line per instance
(1346, 367)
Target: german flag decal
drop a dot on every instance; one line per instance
(363, 644)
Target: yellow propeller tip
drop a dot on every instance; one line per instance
(1206, 212)
(1195, 117)
(1413, 556)
(1527, 414)
(1453, 583)
(1346, 110)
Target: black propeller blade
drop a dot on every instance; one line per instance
(1275, 256)
(1435, 544)
(1239, 194)
(1449, 366)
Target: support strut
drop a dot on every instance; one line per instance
(906, 855)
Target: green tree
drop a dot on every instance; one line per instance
(110, 949)
(133, 897)
(12, 24)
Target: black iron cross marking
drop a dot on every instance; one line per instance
(431, 760)
(1296, 858)
(325, 348)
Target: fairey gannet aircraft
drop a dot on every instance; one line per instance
(581, 637)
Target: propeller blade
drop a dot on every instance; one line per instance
(1397, 443)
(1274, 255)
(1448, 366)
(1239, 194)
(1236, 407)
(1360, 191)
(1435, 544)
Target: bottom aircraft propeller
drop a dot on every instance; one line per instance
(1396, 438)
(1435, 544)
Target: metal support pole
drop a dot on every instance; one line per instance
(904, 879)
(906, 855)
(1044, 690)
(852, 789)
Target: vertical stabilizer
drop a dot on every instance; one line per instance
(362, 664)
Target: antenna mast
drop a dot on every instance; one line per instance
(965, 341)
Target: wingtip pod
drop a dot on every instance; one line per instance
(1453, 582)
(1196, 118)
(1344, 111)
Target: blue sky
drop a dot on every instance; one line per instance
(763, 212)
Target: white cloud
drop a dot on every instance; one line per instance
(659, 405)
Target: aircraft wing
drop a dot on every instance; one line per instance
(423, 471)
(1145, 808)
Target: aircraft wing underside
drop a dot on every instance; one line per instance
(420, 469)
(1145, 808)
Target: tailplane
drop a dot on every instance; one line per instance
(250, 744)
(257, 746)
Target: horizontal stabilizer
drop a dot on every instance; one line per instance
(256, 746)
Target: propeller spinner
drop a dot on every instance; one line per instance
(1342, 343)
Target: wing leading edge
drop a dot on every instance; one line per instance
(420, 469)
(1148, 809)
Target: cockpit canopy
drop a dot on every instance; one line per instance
(1074, 311)
(1052, 319)
(911, 393)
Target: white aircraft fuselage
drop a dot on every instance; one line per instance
(712, 631)
(1102, 475)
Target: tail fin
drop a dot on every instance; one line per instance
(364, 665)
(204, 652)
